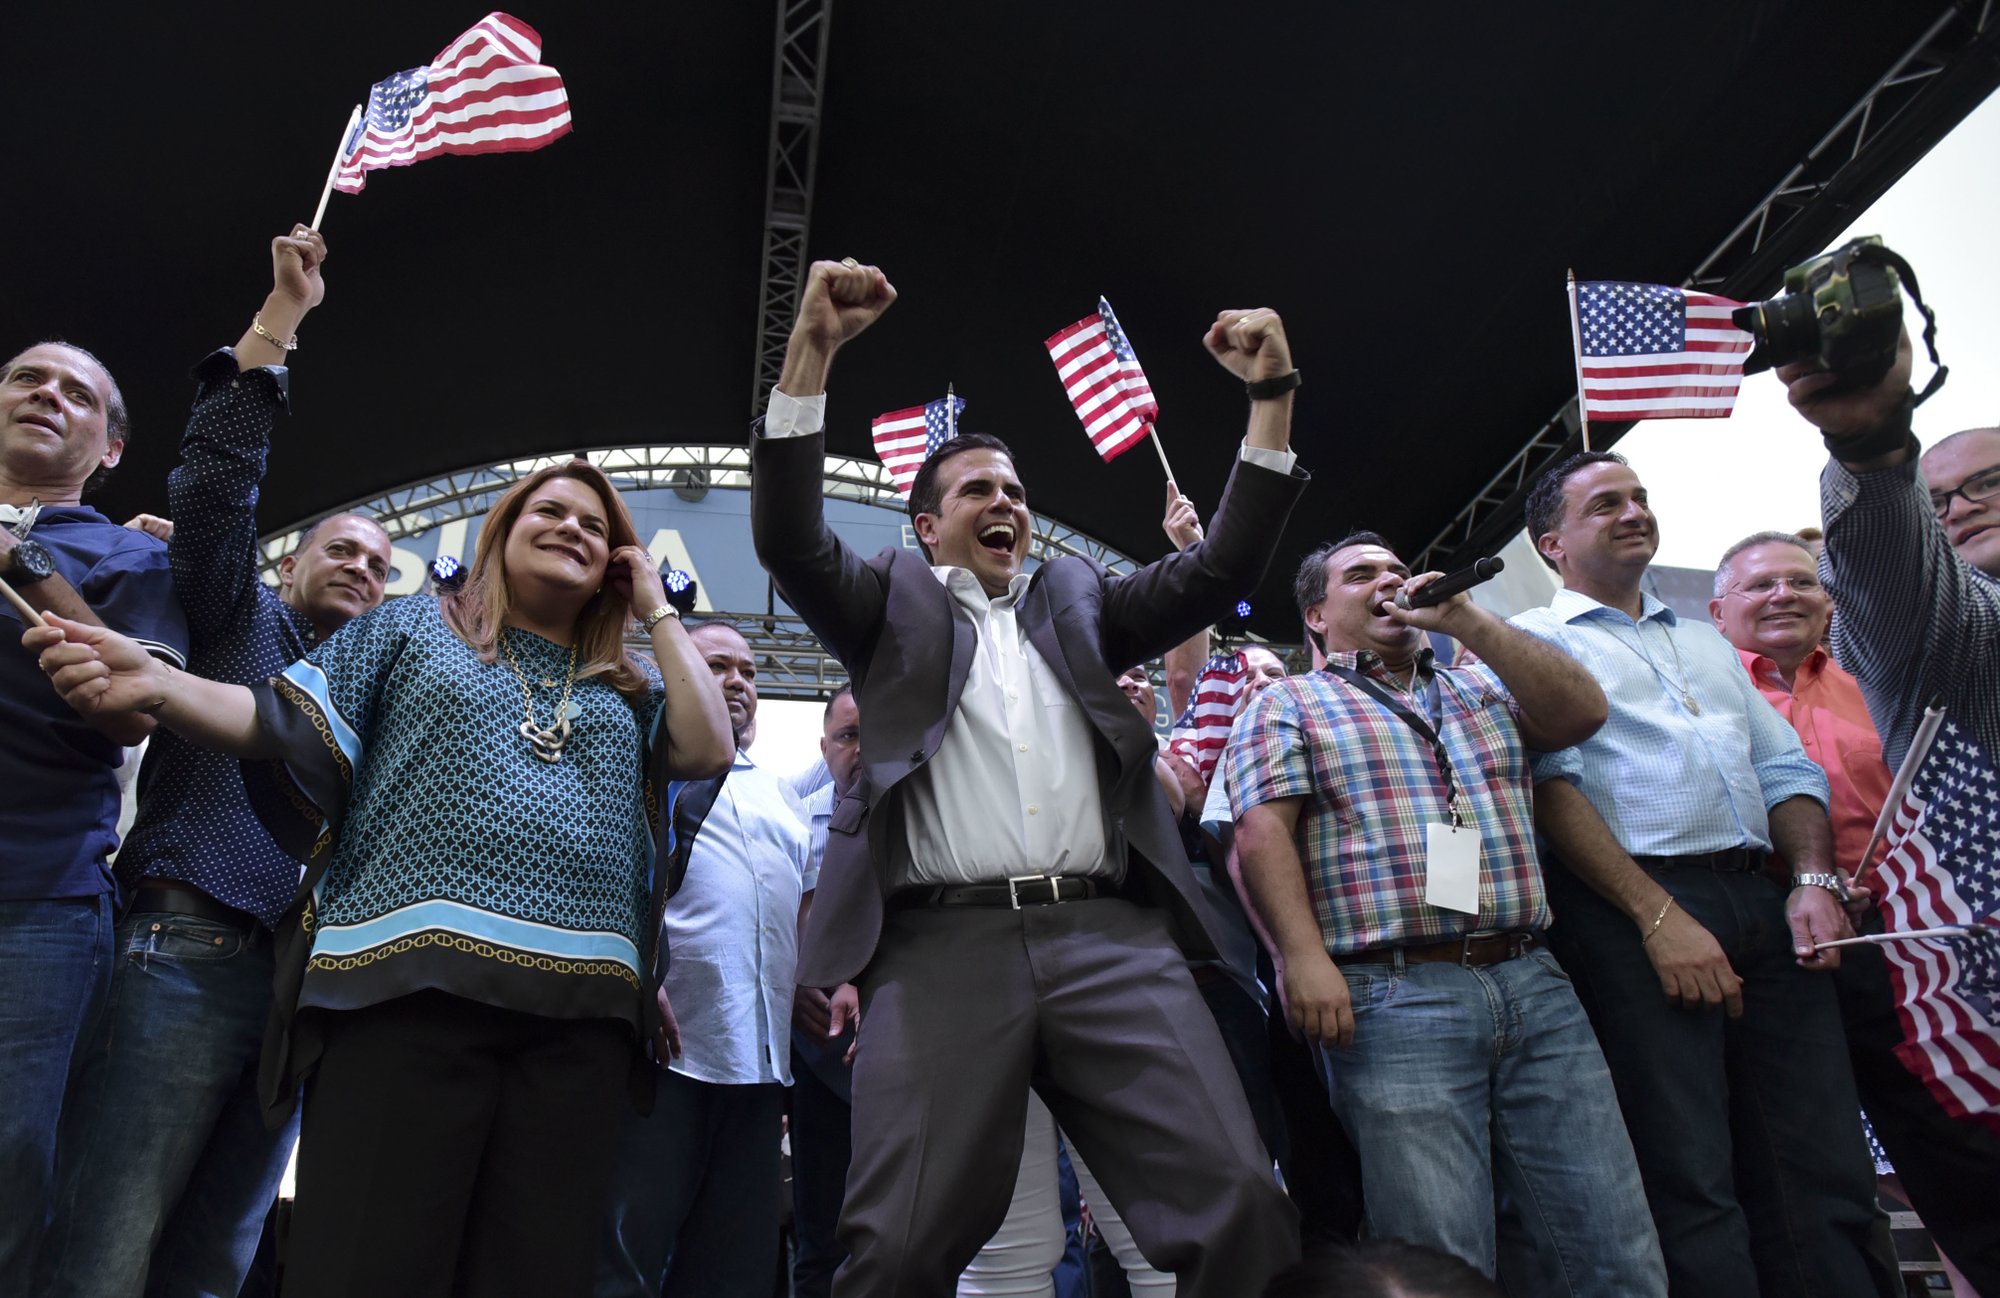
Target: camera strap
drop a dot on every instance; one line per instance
(1883, 256)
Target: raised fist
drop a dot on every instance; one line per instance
(841, 299)
(1250, 344)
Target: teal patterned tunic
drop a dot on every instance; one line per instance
(447, 854)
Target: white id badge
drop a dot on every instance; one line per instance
(1451, 868)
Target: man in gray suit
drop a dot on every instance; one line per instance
(1003, 881)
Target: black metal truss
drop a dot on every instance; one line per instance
(798, 85)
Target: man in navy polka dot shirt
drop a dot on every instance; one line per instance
(165, 1167)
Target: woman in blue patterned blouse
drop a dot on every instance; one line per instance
(474, 784)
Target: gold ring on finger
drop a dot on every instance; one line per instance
(850, 263)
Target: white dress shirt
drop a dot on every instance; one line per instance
(732, 932)
(1012, 789)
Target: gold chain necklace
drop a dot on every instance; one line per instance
(545, 741)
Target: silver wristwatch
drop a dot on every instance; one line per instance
(1833, 883)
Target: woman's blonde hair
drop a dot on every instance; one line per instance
(478, 610)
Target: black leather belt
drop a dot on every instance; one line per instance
(198, 905)
(1474, 952)
(1022, 890)
(1733, 860)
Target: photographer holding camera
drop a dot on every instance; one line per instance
(1912, 555)
(1901, 555)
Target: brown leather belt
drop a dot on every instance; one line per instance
(1470, 952)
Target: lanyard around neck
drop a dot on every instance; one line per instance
(1431, 731)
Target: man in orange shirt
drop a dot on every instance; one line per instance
(1771, 606)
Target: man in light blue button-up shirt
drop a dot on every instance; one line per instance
(1692, 947)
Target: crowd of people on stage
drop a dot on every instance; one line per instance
(1486, 954)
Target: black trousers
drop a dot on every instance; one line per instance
(452, 1148)
(1090, 1003)
(1949, 1167)
(821, 1148)
(1322, 1169)
(1747, 1131)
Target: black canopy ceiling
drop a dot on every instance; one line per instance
(1405, 183)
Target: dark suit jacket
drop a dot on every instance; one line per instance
(908, 648)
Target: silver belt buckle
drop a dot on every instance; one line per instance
(1014, 883)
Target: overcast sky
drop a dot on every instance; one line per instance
(1714, 481)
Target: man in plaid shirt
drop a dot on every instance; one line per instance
(1385, 832)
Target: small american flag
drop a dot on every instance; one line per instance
(904, 439)
(1943, 867)
(484, 93)
(1104, 382)
(1202, 731)
(1646, 351)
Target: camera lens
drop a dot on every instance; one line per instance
(1786, 329)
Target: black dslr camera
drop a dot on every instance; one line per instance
(1844, 310)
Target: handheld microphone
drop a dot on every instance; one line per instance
(1451, 584)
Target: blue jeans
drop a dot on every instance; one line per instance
(1461, 1081)
(55, 962)
(167, 1169)
(695, 1197)
(1748, 1130)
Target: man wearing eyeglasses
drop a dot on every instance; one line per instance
(1770, 604)
(1963, 475)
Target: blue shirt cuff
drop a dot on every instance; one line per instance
(218, 369)
(1564, 764)
(1783, 786)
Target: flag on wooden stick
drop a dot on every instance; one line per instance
(1104, 382)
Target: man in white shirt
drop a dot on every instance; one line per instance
(695, 1201)
(1004, 883)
